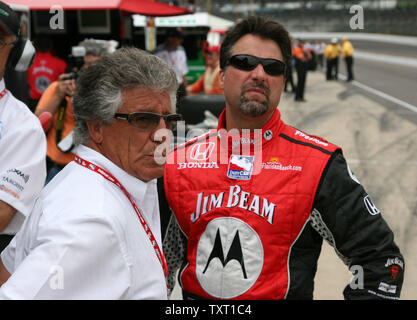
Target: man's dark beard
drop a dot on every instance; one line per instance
(254, 108)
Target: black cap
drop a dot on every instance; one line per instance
(9, 22)
(175, 33)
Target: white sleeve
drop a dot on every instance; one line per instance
(79, 259)
(22, 165)
(183, 62)
(8, 255)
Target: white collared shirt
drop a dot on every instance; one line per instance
(83, 239)
(22, 158)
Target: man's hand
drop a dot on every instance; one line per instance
(66, 86)
(6, 214)
(4, 274)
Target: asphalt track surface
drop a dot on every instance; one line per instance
(395, 79)
(389, 65)
(401, 50)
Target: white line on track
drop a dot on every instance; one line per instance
(381, 94)
(390, 59)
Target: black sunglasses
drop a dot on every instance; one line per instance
(149, 120)
(248, 62)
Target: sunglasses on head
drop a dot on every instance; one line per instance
(149, 120)
(248, 62)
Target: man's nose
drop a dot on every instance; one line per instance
(259, 73)
(161, 125)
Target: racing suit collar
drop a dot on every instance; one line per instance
(269, 131)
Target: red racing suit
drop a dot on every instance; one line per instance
(251, 222)
(44, 70)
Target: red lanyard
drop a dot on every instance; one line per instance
(145, 226)
(3, 93)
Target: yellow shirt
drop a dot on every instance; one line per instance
(332, 51)
(347, 49)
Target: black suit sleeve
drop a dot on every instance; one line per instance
(345, 216)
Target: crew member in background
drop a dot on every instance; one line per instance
(332, 53)
(302, 61)
(57, 99)
(22, 143)
(310, 47)
(290, 66)
(347, 54)
(208, 83)
(320, 46)
(45, 69)
(173, 53)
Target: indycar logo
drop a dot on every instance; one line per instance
(229, 258)
(240, 167)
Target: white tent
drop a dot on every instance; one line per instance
(198, 19)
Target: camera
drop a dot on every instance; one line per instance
(72, 75)
(76, 61)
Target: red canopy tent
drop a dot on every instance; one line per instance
(151, 8)
(144, 7)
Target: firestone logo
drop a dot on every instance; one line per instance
(312, 139)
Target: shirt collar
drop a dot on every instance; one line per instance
(136, 188)
(2, 85)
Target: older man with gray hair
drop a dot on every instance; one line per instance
(57, 102)
(94, 232)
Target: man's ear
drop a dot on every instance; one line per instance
(95, 129)
(221, 78)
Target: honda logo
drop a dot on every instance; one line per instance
(202, 151)
(373, 210)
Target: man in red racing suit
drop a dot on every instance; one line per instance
(252, 207)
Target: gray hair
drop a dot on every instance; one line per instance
(94, 47)
(99, 87)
